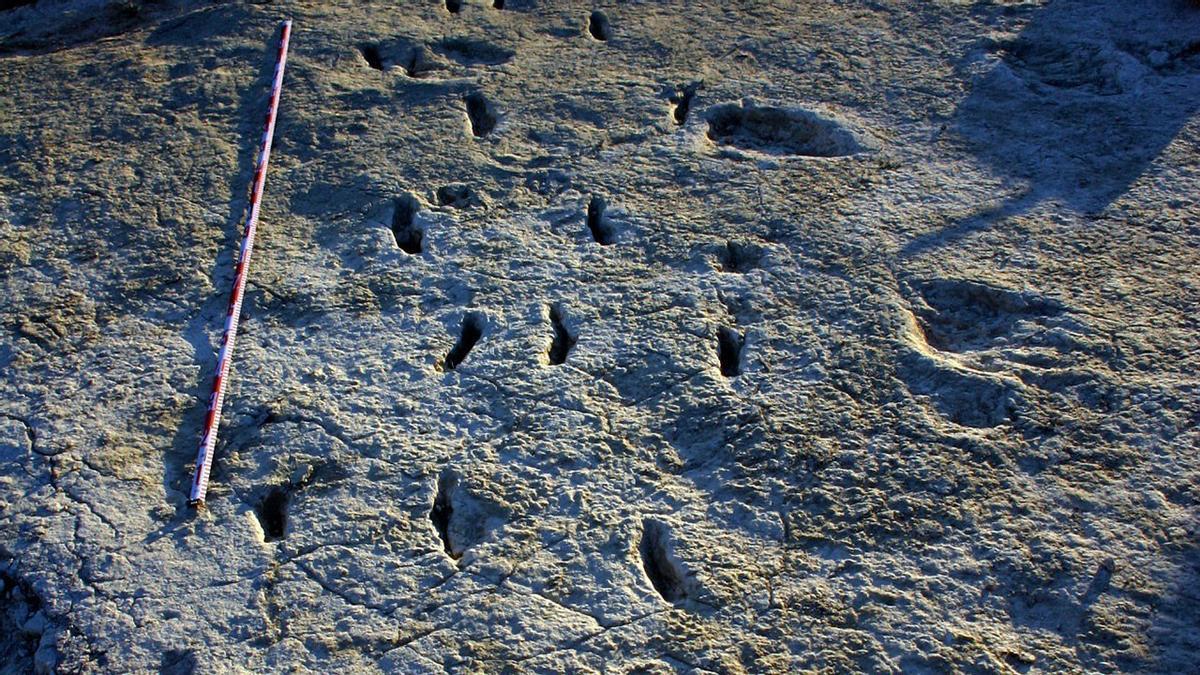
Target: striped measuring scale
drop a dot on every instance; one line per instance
(212, 420)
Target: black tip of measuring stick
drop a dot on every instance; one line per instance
(196, 503)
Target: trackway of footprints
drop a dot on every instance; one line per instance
(764, 129)
(457, 518)
(408, 237)
(455, 515)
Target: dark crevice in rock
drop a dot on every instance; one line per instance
(729, 351)
(601, 229)
(599, 26)
(457, 196)
(498, 4)
(472, 330)
(564, 340)
(442, 510)
(272, 514)
(408, 236)
(372, 56)
(739, 258)
(454, 6)
(480, 113)
(661, 569)
(681, 102)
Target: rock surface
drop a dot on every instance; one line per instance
(841, 336)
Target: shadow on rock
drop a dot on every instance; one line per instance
(1074, 108)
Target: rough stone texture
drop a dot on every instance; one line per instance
(877, 324)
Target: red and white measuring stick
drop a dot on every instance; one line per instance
(213, 420)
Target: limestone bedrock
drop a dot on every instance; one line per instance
(765, 337)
